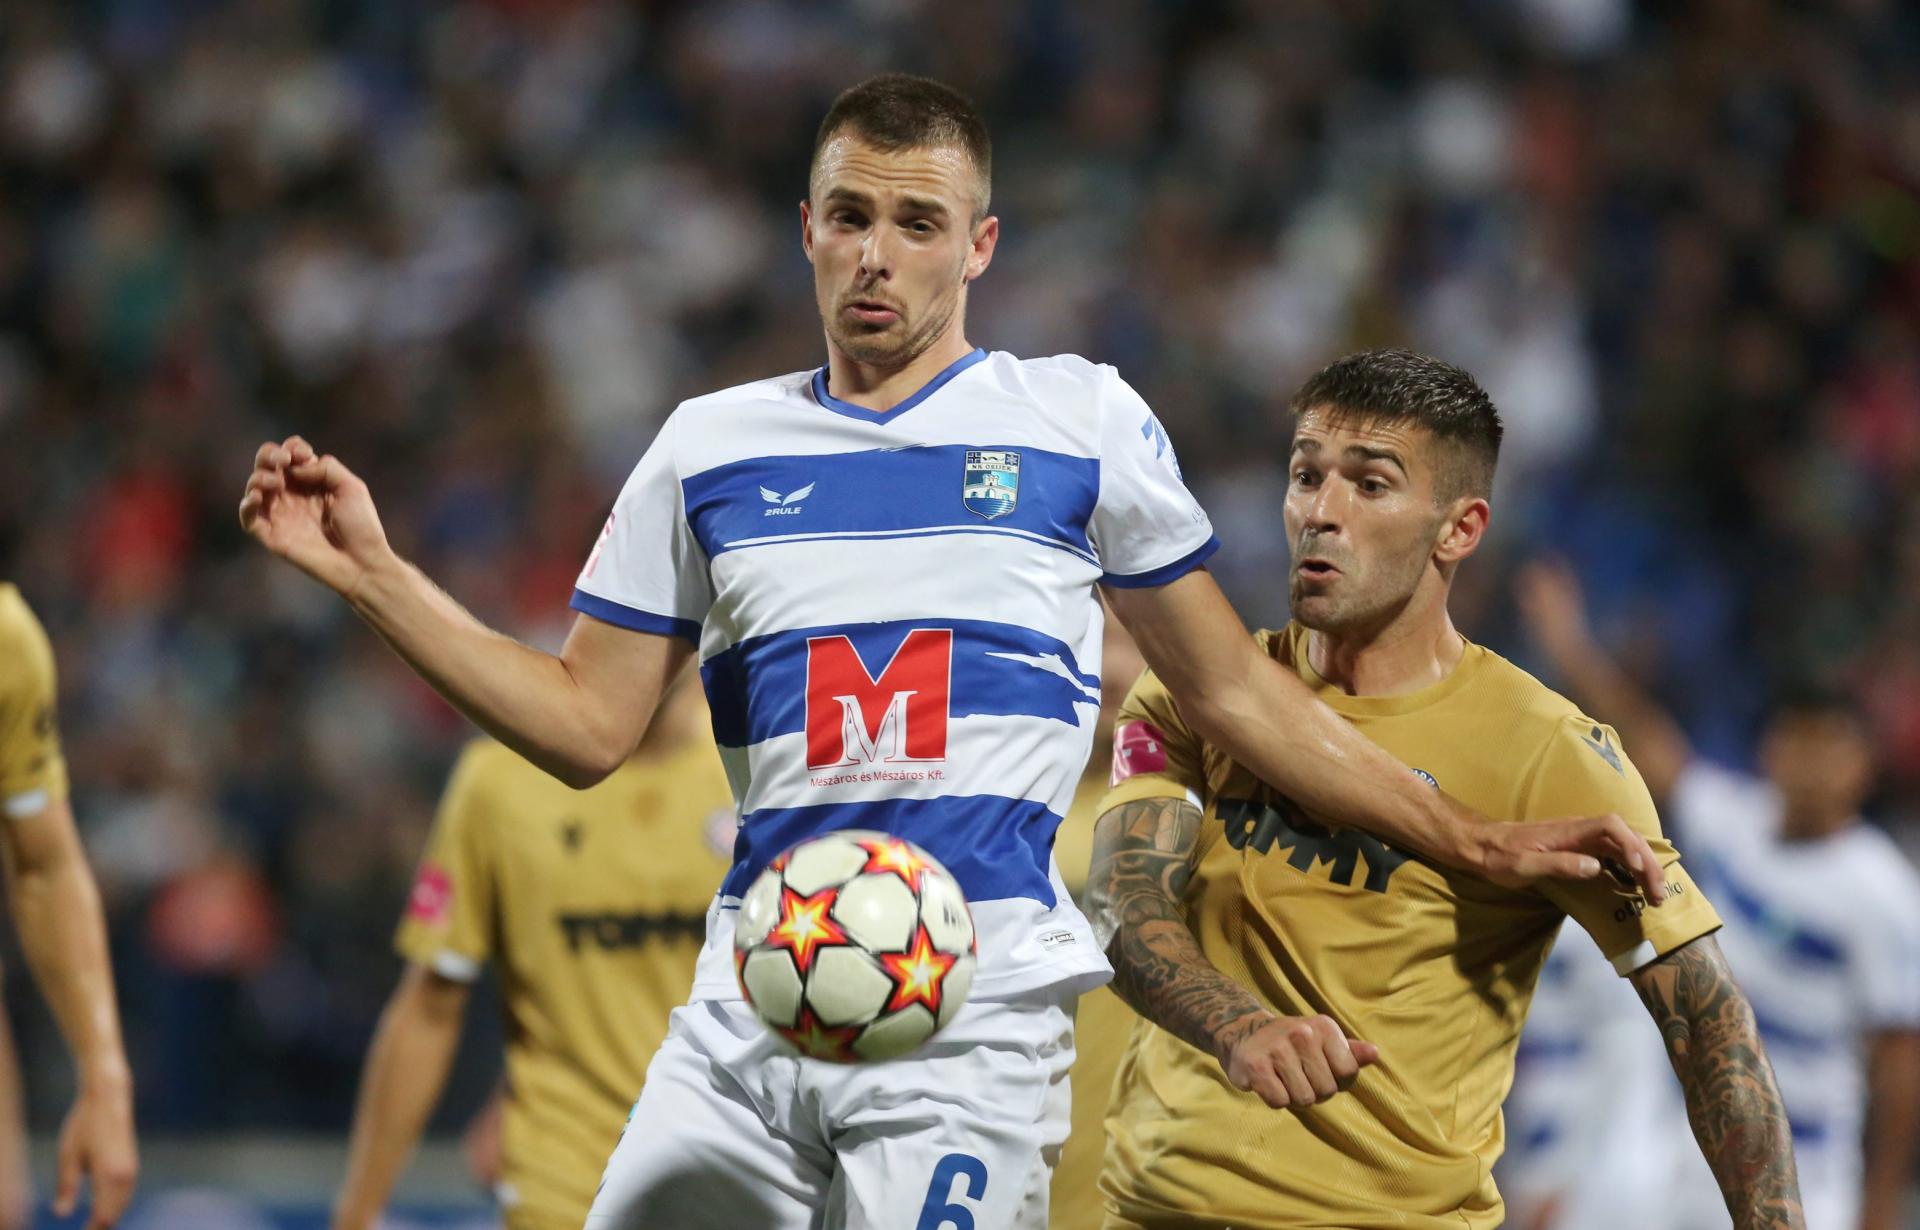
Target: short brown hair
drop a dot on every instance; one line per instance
(1402, 386)
(897, 111)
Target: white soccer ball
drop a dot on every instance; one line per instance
(855, 946)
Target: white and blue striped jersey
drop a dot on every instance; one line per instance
(1824, 938)
(897, 618)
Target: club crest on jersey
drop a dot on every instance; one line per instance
(990, 487)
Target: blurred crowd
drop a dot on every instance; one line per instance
(479, 249)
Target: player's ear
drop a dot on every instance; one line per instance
(806, 229)
(986, 236)
(1464, 525)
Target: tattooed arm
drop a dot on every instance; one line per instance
(1732, 1100)
(1140, 869)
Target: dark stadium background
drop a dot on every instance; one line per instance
(479, 250)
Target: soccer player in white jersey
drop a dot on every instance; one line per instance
(1822, 917)
(888, 570)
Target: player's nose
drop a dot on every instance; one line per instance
(876, 255)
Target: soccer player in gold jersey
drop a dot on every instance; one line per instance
(1263, 945)
(56, 908)
(592, 905)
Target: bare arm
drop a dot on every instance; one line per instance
(1893, 1126)
(577, 715)
(16, 1177)
(56, 908)
(1140, 868)
(1263, 716)
(406, 1070)
(1554, 610)
(1732, 1100)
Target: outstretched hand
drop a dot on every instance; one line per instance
(1581, 848)
(313, 511)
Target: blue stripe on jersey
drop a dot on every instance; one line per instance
(1779, 1035)
(1769, 922)
(883, 417)
(883, 490)
(995, 847)
(1166, 572)
(757, 689)
(633, 618)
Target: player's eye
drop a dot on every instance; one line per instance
(920, 227)
(1373, 486)
(846, 217)
(1303, 478)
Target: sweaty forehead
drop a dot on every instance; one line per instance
(940, 172)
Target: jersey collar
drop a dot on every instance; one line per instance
(925, 391)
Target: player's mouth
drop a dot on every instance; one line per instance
(1315, 569)
(872, 312)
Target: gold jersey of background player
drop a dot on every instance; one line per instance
(592, 906)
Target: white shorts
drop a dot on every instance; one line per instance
(735, 1130)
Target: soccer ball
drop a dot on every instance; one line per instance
(855, 946)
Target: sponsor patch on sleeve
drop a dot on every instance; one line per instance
(1138, 747)
(431, 897)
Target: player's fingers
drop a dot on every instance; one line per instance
(1339, 1057)
(1643, 863)
(325, 472)
(268, 456)
(1287, 1066)
(1366, 1054)
(66, 1183)
(1256, 1076)
(298, 450)
(1557, 865)
(250, 508)
(112, 1192)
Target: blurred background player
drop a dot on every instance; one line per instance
(56, 909)
(592, 906)
(1285, 960)
(1822, 916)
(1590, 1118)
(1102, 1019)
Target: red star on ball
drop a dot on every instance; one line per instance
(919, 974)
(813, 1038)
(889, 854)
(805, 925)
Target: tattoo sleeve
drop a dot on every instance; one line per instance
(1732, 1100)
(1139, 871)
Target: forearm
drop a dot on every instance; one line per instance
(405, 1072)
(56, 908)
(527, 699)
(1139, 870)
(1893, 1128)
(1733, 1103)
(1265, 718)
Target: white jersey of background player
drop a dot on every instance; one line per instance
(889, 571)
(1821, 926)
(1823, 929)
(1588, 1120)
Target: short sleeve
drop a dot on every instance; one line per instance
(1886, 970)
(1147, 527)
(448, 924)
(1155, 754)
(1583, 772)
(647, 573)
(33, 773)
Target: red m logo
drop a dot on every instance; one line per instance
(854, 718)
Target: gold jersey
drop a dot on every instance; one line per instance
(1433, 967)
(1101, 1024)
(592, 906)
(33, 774)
